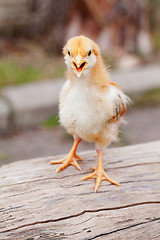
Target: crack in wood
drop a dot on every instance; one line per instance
(44, 179)
(81, 213)
(137, 156)
(10, 209)
(84, 221)
(125, 228)
(135, 165)
(143, 180)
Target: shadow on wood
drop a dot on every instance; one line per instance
(38, 203)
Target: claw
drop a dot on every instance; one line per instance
(98, 181)
(78, 157)
(107, 178)
(75, 163)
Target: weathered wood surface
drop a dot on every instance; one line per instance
(38, 203)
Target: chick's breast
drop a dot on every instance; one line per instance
(82, 111)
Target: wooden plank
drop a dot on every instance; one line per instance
(38, 203)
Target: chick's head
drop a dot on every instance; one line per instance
(81, 54)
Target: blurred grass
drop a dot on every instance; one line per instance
(51, 122)
(3, 156)
(28, 62)
(150, 98)
(11, 73)
(156, 40)
(14, 73)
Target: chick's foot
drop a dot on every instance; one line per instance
(70, 159)
(66, 161)
(99, 173)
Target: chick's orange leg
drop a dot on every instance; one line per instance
(99, 173)
(71, 157)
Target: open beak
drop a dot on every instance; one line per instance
(79, 68)
(79, 65)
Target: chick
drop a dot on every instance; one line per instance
(91, 105)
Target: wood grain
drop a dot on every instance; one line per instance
(38, 203)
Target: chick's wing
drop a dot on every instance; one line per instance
(119, 110)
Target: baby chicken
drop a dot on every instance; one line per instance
(91, 105)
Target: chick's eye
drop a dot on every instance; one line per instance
(89, 53)
(69, 53)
